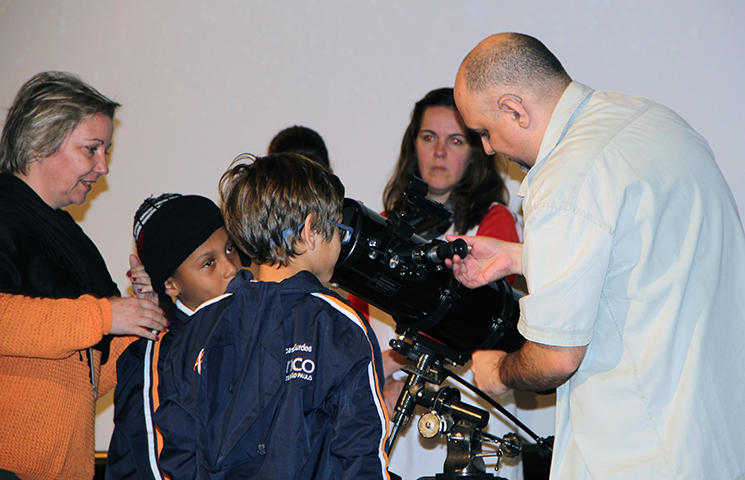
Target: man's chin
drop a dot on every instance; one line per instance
(523, 166)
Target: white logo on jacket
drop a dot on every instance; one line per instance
(299, 367)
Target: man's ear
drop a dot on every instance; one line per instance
(172, 288)
(511, 106)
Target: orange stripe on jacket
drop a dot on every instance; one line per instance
(352, 314)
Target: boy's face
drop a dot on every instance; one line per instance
(205, 273)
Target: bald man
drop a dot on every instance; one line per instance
(634, 256)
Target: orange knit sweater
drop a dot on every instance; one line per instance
(47, 407)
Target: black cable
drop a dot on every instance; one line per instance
(539, 440)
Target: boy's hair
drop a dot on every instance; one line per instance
(265, 202)
(168, 228)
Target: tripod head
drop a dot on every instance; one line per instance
(460, 422)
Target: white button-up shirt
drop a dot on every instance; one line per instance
(634, 247)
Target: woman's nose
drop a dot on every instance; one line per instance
(102, 165)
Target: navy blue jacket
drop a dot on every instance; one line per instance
(134, 446)
(276, 381)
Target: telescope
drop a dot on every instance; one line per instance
(404, 275)
(439, 321)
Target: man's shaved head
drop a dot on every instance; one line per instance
(506, 90)
(513, 60)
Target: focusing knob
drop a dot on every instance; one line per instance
(511, 445)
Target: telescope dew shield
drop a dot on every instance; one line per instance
(400, 273)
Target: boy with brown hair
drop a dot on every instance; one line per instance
(280, 379)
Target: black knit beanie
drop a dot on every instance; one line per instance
(168, 229)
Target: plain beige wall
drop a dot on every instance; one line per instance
(201, 82)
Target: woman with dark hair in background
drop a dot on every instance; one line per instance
(58, 303)
(438, 148)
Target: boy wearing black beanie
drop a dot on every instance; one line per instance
(186, 255)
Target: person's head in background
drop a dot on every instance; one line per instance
(302, 140)
(438, 148)
(184, 247)
(56, 137)
(283, 211)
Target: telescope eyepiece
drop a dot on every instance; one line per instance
(436, 252)
(451, 249)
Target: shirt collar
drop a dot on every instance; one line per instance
(568, 103)
(188, 311)
(214, 300)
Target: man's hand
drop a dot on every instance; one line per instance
(136, 316)
(392, 363)
(489, 259)
(533, 368)
(485, 367)
(391, 392)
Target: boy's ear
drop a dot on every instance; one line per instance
(309, 236)
(172, 288)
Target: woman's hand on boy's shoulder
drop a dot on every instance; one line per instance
(136, 316)
(142, 286)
